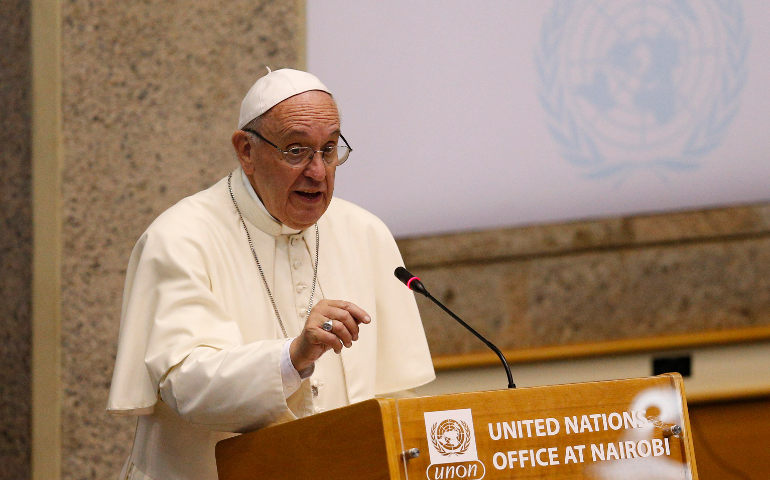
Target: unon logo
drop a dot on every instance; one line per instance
(450, 437)
(633, 85)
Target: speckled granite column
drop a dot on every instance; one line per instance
(150, 97)
(15, 241)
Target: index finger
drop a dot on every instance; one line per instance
(358, 313)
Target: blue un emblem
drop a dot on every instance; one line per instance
(631, 85)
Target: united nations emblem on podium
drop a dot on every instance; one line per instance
(452, 446)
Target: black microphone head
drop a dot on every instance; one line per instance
(403, 274)
(410, 280)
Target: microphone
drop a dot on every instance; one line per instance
(416, 285)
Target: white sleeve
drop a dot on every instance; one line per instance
(190, 348)
(289, 375)
(236, 389)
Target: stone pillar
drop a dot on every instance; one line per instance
(15, 241)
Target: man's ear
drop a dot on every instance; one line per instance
(243, 150)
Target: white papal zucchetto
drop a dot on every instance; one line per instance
(274, 88)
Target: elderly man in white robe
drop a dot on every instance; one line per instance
(263, 298)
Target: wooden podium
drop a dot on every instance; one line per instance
(623, 429)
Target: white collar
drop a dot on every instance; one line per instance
(254, 210)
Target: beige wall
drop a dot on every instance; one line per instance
(607, 280)
(599, 300)
(134, 108)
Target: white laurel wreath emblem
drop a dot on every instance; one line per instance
(443, 442)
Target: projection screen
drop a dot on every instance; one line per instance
(472, 115)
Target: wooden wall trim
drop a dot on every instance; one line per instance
(731, 396)
(583, 350)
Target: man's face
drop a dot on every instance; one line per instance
(295, 196)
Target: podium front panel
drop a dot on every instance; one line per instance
(623, 429)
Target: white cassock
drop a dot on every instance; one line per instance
(199, 353)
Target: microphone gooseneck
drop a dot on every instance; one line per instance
(416, 285)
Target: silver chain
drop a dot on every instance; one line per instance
(259, 265)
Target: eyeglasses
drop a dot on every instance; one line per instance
(297, 157)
